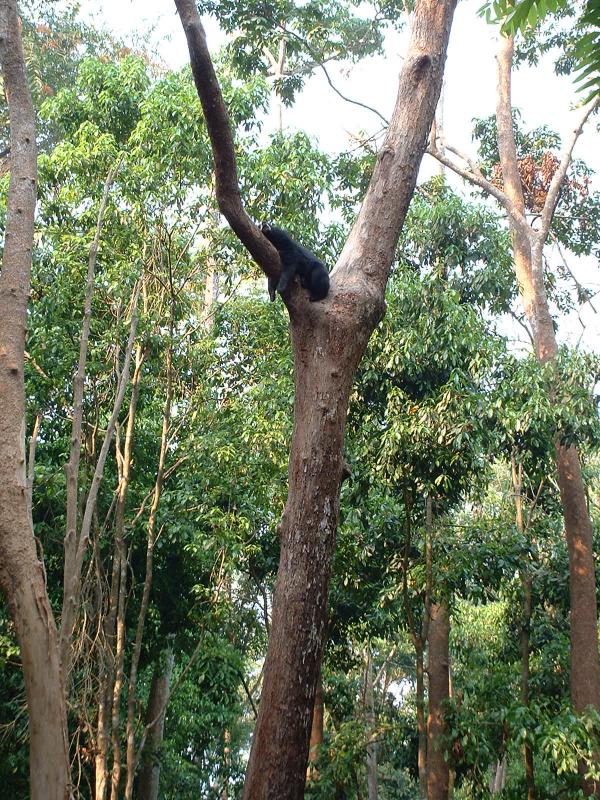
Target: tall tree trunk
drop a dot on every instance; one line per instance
(22, 577)
(451, 695)
(371, 722)
(439, 690)
(106, 650)
(328, 340)
(151, 540)
(117, 688)
(105, 682)
(419, 636)
(155, 717)
(316, 733)
(421, 720)
(527, 585)
(529, 269)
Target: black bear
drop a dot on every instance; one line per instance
(296, 260)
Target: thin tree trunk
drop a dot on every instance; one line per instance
(155, 717)
(498, 776)
(105, 682)
(437, 766)
(316, 734)
(277, 66)
(72, 466)
(106, 656)
(120, 556)
(151, 540)
(451, 771)
(421, 720)
(528, 261)
(102, 738)
(419, 637)
(115, 777)
(22, 576)
(527, 585)
(371, 722)
(525, 627)
(328, 339)
(226, 763)
(76, 548)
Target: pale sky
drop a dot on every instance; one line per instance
(469, 91)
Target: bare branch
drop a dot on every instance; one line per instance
(73, 579)
(35, 365)
(560, 174)
(525, 327)
(583, 292)
(72, 466)
(474, 175)
(318, 63)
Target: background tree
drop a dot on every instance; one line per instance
(22, 574)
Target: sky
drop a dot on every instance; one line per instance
(469, 92)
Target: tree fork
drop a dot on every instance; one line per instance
(328, 340)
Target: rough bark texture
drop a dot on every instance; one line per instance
(21, 573)
(328, 339)
(439, 692)
(585, 673)
(155, 717)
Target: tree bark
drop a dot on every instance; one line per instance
(372, 788)
(106, 672)
(328, 340)
(316, 733)
(151, 540)
(527, 585)
(421, 721)
(529, 269)
(22, 577)
(439, 692)
(119, 676)
(419, 643)
(528, 246)
(155, 717)
(106, 650)
(498, 777)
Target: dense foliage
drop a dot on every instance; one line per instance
(445, 409)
